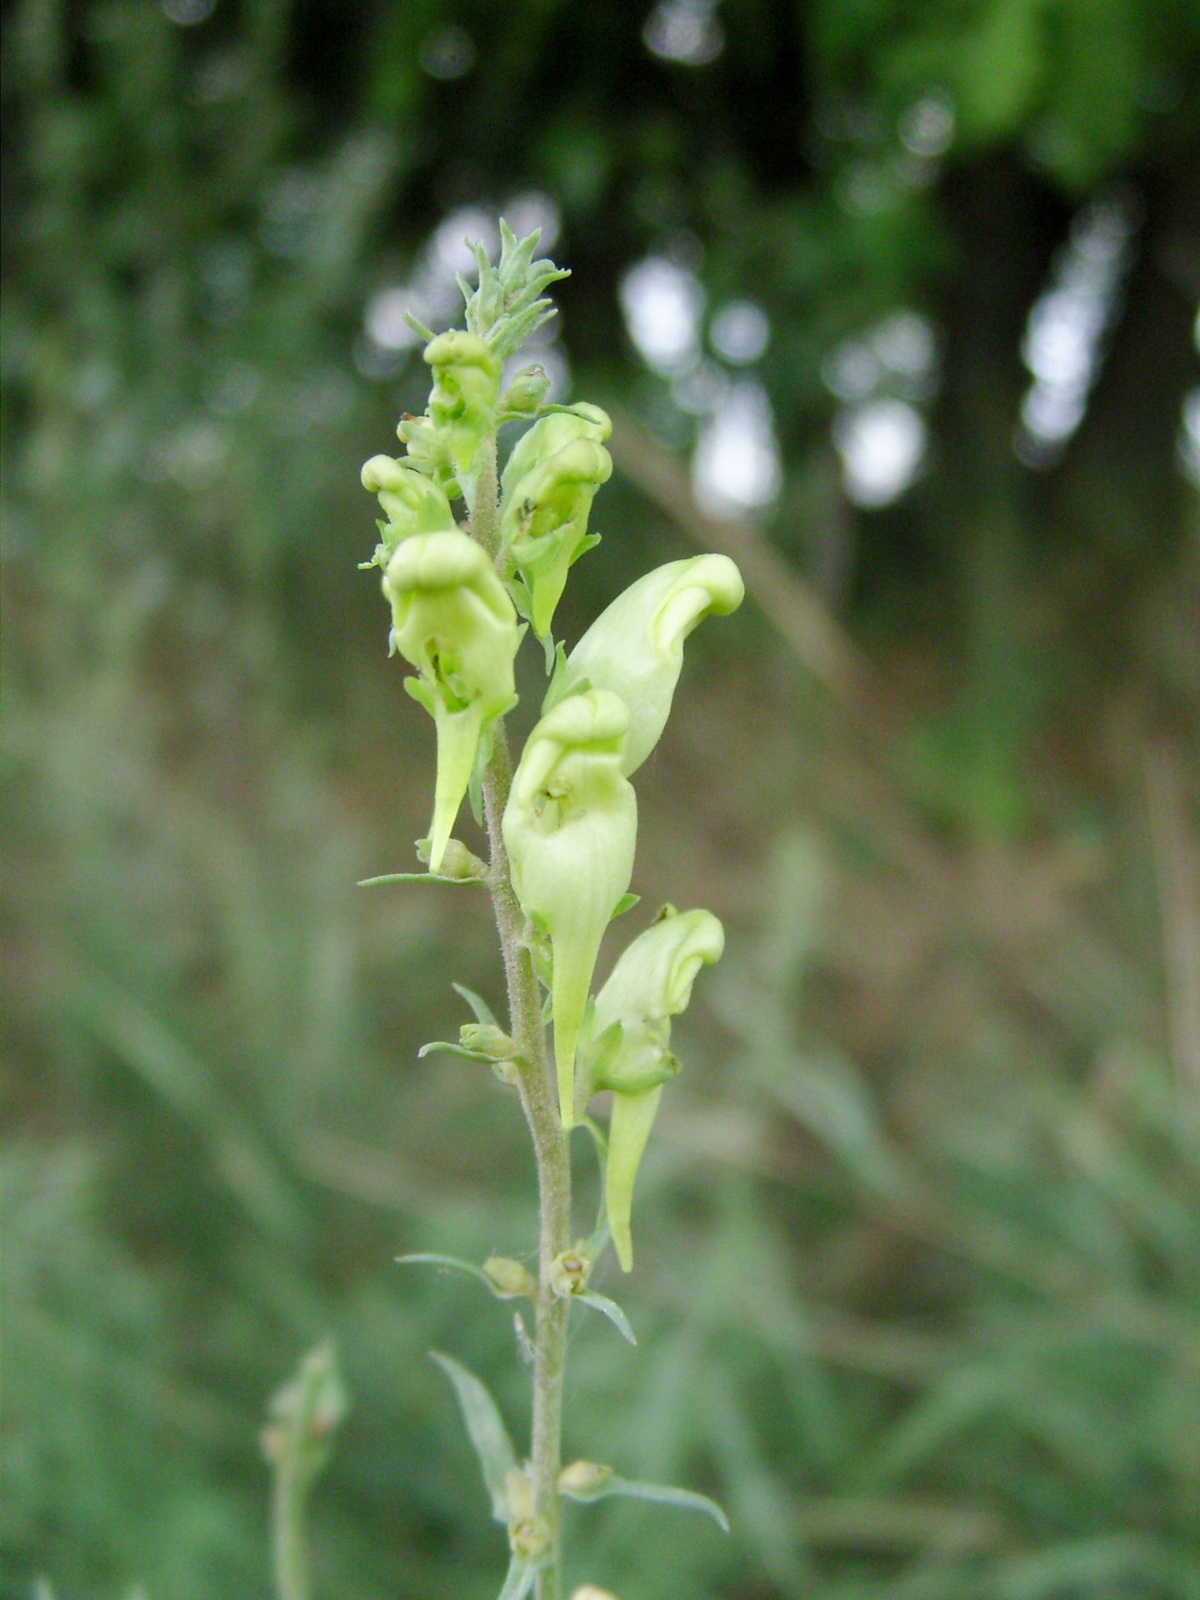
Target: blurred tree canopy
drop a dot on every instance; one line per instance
(922, 1306)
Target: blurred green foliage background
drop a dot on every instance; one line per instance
(918, 1283)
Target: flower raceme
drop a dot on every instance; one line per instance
(460, 600)
(635, 647)
(548, 487)
(570, 827)
(453, 620)
(625, 1046)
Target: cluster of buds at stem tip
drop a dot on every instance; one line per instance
(626, 1044)
(570, 827)
(453, 620)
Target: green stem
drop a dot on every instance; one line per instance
(288, 1535)
(540, 1103)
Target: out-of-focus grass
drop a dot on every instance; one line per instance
(917, 1283)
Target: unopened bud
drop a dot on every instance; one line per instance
(510, 1279)
(457, 860)
(527, 392)
(582, 1480)
(518, 1493)
(569, 1273)
(589, 1591)
(529, 1539)
(488, 1039)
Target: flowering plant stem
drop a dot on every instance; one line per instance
(540, 1104)
(561, 826)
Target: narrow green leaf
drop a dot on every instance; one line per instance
(413, 877)
(519, 1580)
(610, 1309)
(662, 1493)
(475, 794)
(601, 1233)
(448, 1264)
(482, 1011)
(419, 327)
(624, 904)
(487, 1432)
(599, 1142)
(520, 597)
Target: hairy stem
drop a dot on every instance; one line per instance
(540, 1103)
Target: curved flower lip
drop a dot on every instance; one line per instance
(596, 721)
(635, 646)
(446, 559)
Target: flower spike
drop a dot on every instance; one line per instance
(635, 647)
(570, 827)
(453, 620)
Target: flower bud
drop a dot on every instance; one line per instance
(453, 620)
(412, 502)
(518, 1492)
(589, 1591)
(582, 1479)
(465, 393)
(569, 1273)
(570, 828)
(529, 1539)
(548, 486)
(635, 647)
(428, 451)
(457, 861)
(526, 394)
(510, 1279)
(489, 1039)
(625, 1047)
